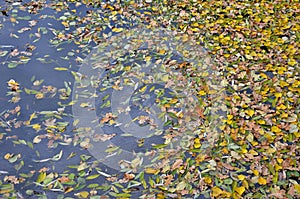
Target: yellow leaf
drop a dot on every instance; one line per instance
(149, 170)
(245, 184)
(297, 188)
(296, 84)
(60, 68)
(185, 38)
(200, 158)
(229, 122)
(127, 68)
(216, 191)
(256, 172)
(161, 51)
(244, 150)
(84, 104)
(241, 177)
(261, 132)
(66, 24)
(250, 112)
(197, 144)
(148, 58)
(250, 137)
(224, 143)
(13, 20)
(71, 103)
(229, 117)
(252, 152)
(240, 190)
(297, 134)
(278, 95)
(12, 83)
(202, 92)
(281, 106)
(39, 96)
(254, 143)
(292, 62)
(83, 194)
(143, 89)
(179, 114)
(262, 181)
(263, 75)
(60, 36)
(271, 150)
(225, 151)
(281, 70)
(195, 24)
(226, 194)
(194, 29)
(173, 101)
(7, 156)
(261, 121)
(204, 74)
(117, 29)
(160, 196)
(36, 127)
(275, 129)
(207, 180)
(165, 78)
(111, 122)
(283, 83)
(32, 116)
(279, 160)
(68, 189)
(277, 167)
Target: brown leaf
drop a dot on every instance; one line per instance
(168, 181)
(177, 164)
(278, 194)
(103, 137)
(129, 176)
(228, 166)
(64, 179)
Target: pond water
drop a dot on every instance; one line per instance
(42, 156)
(25, 74)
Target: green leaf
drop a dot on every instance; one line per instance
(91, 177)
(124, 195)
(57, 156)
(13, 159)
(12, 65)
(41, 177)
(93, 185)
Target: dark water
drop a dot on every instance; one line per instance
(45, 58)
(23, 74)
(37, 70)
